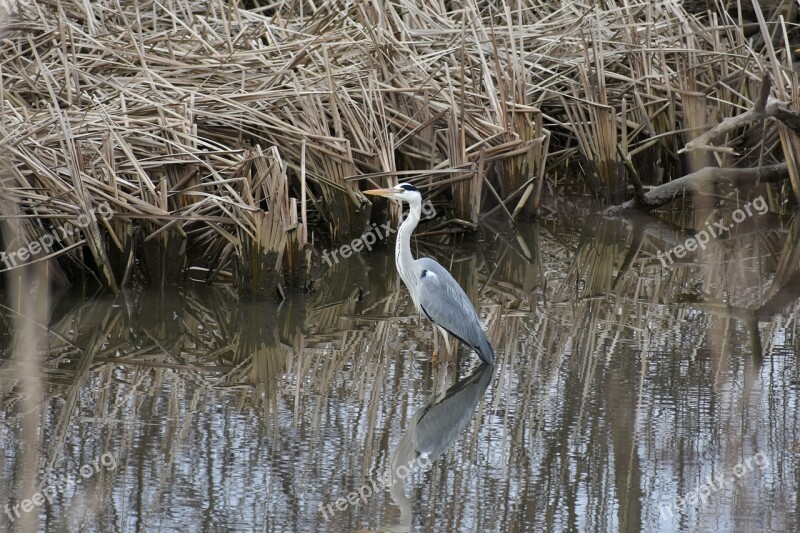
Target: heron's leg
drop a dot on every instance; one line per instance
(448, 352)
(447, 343)
(435, 354)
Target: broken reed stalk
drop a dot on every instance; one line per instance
(225, 139)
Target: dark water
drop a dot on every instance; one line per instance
(627, 396)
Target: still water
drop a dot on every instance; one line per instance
(627, 396)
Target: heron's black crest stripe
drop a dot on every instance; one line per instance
(408, 187)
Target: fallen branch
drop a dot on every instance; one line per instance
(709, 177)
(701, 180)
(765, 107)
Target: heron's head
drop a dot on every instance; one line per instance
(403, 192)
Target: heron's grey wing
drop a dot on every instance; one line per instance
(444, 302)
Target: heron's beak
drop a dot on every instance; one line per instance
(380, 192)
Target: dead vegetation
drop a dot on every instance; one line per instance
(231, 143)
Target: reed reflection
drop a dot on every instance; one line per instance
(622, 386)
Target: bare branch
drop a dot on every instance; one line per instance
(699, 181)
(765, 107)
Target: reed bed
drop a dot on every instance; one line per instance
(233, 143)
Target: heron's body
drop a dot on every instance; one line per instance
(435, 292)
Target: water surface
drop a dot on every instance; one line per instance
(626, 396)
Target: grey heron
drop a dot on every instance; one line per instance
(435, 293)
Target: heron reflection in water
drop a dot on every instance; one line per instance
(433, 430)
(435, 293)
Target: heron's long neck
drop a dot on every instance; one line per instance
(402, 255)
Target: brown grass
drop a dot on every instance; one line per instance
(232, 140)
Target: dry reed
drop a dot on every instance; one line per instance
(232, 140)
